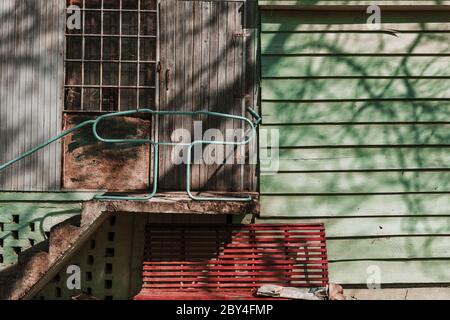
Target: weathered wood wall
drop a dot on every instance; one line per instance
(206, 65)
(31, 79)
(363, 118)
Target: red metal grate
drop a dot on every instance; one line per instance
(231, 260)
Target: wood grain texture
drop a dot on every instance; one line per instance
(31, 79)
(391, 272)
(355, 205)
(205, 62)
(360, 159)
(362, 118)
(354, 135)
(353, 228)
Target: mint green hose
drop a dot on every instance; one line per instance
(155, 145)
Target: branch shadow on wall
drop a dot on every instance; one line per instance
(363, 114)
(26, 63)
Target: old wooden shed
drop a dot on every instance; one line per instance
(354, 129)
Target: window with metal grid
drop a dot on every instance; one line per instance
(110, 62)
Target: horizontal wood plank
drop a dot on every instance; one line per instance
(355, 112)
(282, 4)
(280, 206)
(334, 20)
(420, 247)
(355, 43)
(391, 272)
(352, 159)
(375, 226)
(355, 182)
(350, 89)
(46, 196)
(357, 135)
(358, 66)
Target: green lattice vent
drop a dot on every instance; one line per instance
(23, 225)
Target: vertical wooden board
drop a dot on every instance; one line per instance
(168, 86)
(206, 76)
(214, 85)
(196, 69)
(251, 85)
(205, 85)
(238, 95)
(223, 94)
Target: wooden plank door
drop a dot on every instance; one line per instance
(202, 67)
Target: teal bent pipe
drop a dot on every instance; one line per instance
(155, 145)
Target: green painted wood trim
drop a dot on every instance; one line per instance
(295, 4)
(305, 183)
(390, 248)
(279, 66)
(352, 159)
(391, 272)
(353, 43)
(375, 226)
(370, 112)
(46, 196)
(342, 89)
(360, 135)
(280, 206)
(338, 20)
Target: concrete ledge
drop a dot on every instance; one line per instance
(180, 203)
(399, 294)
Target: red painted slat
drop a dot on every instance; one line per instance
(231, 257)
(261, 262)
(313, 283)
(178, 266)
(225, 274)
(299, 257)
(223, 280)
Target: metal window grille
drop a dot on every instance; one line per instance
(110, 63)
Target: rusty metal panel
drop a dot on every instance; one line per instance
(31, 78)
(90, 164)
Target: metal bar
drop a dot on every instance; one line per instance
(43, 145)
(155, 145)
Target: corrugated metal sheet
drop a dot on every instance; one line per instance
(31, 78)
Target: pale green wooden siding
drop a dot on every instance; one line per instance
(364, 123)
